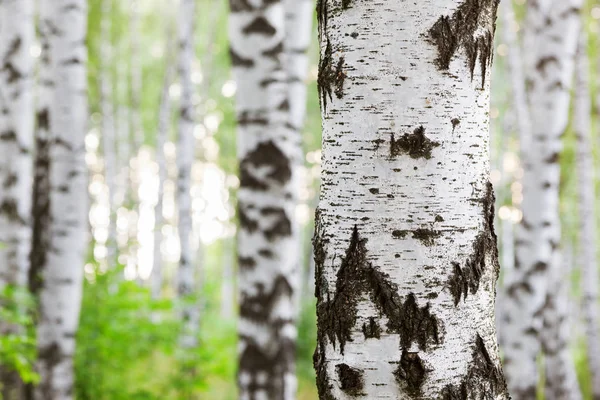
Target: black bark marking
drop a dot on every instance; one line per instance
(246, 222)
(275, 51)
(8, 136)
(426, 236)
(13, 73)
(374, 191)
(266, 154)
(468, 277)
(239, 61)
(416, 144)
(351, 379)
(246, 262)
(260, 26)
(356, 276)
(330, 79)
(10, 210)
(43, 121)
(10, 181)
(50, 356)
(281, 227)
(463, 30)
(411, 372)
(371, 329)
(484, 379)
(346, 4)
(259, 307)
(455, 123)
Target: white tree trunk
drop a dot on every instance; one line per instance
(164, 124)
(16, 139)
(60, 294)
(560, 374)
(185, 157)
(552, 27)
(587, 212)
(136, 76)
(108, 127)
(269, 153)
(405, 249)
(228, 278)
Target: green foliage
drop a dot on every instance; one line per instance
(17, 346)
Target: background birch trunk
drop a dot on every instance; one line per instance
(587, 212)
(553, 26)
(269, 154)
(405, 249)
(186, 275)
(60, 294)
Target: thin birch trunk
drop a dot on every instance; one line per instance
(186, 276)
(587, 212)
(228, 279)
(560, 374)
(405, 249)
(164, 124)
(16, 139)
(269, 153)
(108, 127)
(60, 294)
(136, 76)
(551, 30)
(16, 146)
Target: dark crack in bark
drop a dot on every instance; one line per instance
(331, 77)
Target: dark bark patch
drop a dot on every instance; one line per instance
(331, 77)
(266, 253)
(455, 123)
(426, 236)
(10, 181)
(260, 26)
(374, 191)
(8, 136)
(43, 121)
(246, 222)
(484, 379)
(259, 307)
(415, 144)
(411, 372)
(351, 379)
(281, 227)
(266, 154)
(239, 61)
(346, 4)
(371, 329)
(466, 278)
(246, 262)
(275, 51)
(10, 210)
(471, 28)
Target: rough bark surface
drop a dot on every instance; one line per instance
(65, 24)
(586, 174)
(405, 249)
(269, 153)
(551, 30)
(185, 157)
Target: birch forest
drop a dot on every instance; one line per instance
(299, 199)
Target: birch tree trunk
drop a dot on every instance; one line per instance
(269, 153)
(60, 294)
(136, 76)
(185, 158)
(228, 279)
(16, 146)
(108, 128)
(164, 123)
(405, 249)
(552, 27)
(16, 139)
(587, 212)
(560, 374)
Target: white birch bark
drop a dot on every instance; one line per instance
(60, 294)
(552, 27)
(560, 374)
(228, 279)
(164, 124)
(185, 157)
(16, 139)
(108, 127)
(136, 76)
(587, 212)
(405, 251)
(269, 153)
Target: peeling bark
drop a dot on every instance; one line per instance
(405, 252)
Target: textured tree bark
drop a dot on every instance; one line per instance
(587, 211)
(405, 249)
(65, 22)
(164, 123)
(185, 157)
(269, 153)
(16, 146)
(553, 26)
(108, 128)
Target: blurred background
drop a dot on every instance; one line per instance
(127, 342)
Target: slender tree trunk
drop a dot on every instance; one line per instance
(136, 69)
(108, 128)
(185, 157)
(228, 279)
(405, 249)
(164, 124)
(16, 146)
(560, 375)
(269, 153)
(60, 294)
(551, 28)
(587, 212)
